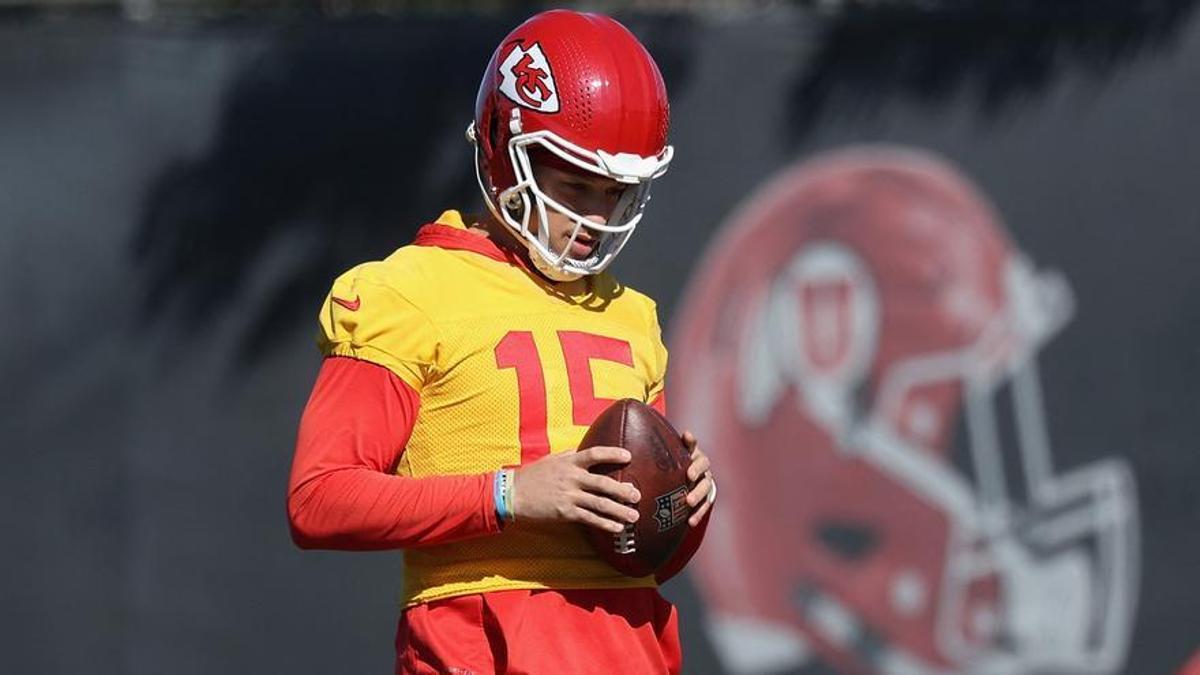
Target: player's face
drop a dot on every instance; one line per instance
(589, 195)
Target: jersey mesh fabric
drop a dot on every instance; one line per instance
(472, 334)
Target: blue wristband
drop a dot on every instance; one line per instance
(499, 484)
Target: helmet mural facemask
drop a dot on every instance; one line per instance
(1064, 558)
(862, 344)
(1062, 562)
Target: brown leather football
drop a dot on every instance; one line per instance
(658, 470)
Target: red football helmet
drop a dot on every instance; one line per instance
(581, 88)
(846, 352)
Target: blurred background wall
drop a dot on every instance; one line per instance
(180, 182)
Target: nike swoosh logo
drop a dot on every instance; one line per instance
(352, 306)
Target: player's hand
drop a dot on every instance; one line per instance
(559, 488)
(702, 481)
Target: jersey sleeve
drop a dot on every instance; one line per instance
(658, 377)
(367, 318)
(342, 493)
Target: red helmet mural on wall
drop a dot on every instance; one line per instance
(858, 351)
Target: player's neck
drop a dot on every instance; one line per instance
(486, 225)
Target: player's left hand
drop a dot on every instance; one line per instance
(704, 490)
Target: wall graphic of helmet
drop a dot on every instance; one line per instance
(583, 92)
(857, 352)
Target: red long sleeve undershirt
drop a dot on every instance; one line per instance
(343, 493)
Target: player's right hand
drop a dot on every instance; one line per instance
(559, 488)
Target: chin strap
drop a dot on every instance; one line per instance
(551, 272)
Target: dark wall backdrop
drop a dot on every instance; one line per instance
(176, 196)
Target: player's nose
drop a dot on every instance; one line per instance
(597, 206)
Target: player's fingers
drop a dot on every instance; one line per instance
(602, 454)
(605, 507)
(698, 467)
(582, 515)
(608, 487)
(689, 439)
(698, 516)
(699, 493)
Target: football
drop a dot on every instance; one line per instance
(658, 470)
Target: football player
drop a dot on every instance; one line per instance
(462, 371)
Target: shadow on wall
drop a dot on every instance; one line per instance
(335, 134)
(344, 137)
(1001, 51)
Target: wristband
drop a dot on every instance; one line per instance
(509, 485)
(502, 494)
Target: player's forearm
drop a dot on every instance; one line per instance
(343, 492)
(362, 509)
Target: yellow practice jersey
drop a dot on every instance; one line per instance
(509, 367)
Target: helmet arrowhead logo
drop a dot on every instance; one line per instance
(525, 78)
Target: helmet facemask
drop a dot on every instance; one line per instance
(517, 206)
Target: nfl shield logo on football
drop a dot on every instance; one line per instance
(670, 509)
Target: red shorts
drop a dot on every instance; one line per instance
(578, 631)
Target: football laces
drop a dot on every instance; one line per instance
(624, 542)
